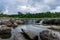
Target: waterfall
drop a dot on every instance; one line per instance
(31, 21)
(41, 22)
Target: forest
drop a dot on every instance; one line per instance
(32, 15)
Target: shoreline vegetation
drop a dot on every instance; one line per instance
(32, 15)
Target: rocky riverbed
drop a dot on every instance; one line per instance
(18, 29)
(30, 32)
(43, 35)
(6, 24)
(11, 22)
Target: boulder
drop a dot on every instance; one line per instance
(14, 25)
(25, 35)
(19, 36)
(52, 21)
(5, 32)
(20, 21)
(49, 35)
(4, 28)
(29, 33)
(57, 21)
(7, 23)
(10, 23)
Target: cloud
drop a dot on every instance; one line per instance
(49, 1)
(33, 9)
(13, 6)
(56, 10)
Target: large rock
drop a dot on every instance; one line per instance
(29, 33)
(19, 21)
(49, 35)
(4, 27)
(19, 36)
(52, 21)
(5, 32)
(7, 23)
(16, 22)
(11, 22)
(57, 21)
(25, 35)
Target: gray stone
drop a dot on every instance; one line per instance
(25, 35)
(49, 35)
(19, 36)
(30, 33)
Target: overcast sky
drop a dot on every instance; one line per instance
(13, 6)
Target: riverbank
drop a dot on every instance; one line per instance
(52, 27)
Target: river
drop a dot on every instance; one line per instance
(29, 26)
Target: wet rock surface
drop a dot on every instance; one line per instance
(5, 32)
(52, 21)
(25, 35)
(11, 22)
(49, 35)
(6, 24)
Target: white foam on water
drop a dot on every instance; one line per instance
(41, 22)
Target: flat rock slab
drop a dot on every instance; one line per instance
(25, 35)
(30, 33)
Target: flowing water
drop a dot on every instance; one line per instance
(27, 27)
(41, 22)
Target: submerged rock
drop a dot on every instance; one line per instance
(11, 22)
(4, 27)
(49, 35)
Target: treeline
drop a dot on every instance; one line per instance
(33, 15)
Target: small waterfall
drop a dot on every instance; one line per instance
(31, 21)
(41, 22)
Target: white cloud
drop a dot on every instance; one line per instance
(6, 11)
(36, 8)
(49, 1)
(13, 6)
(26, 8)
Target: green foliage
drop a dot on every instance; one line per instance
(33, 15)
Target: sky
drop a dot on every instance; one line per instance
(33, 6)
